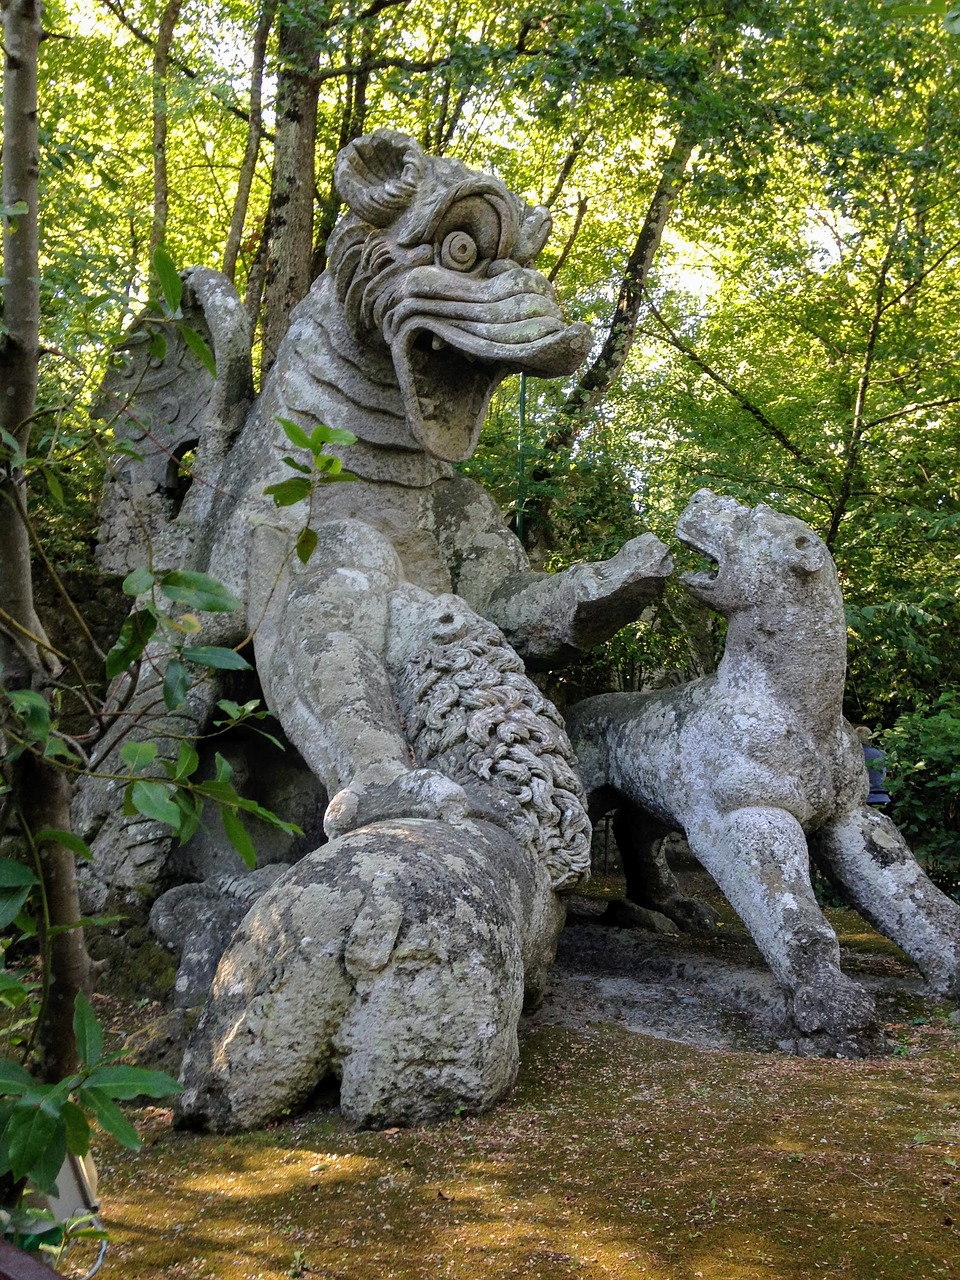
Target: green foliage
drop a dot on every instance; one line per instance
(923, 779)
(40, 1123)
(323, 468)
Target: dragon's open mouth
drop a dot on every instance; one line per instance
(450, 352)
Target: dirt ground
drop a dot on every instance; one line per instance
(656, 1130)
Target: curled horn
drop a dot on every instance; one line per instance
(378, 175)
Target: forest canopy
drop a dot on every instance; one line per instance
(755, 206)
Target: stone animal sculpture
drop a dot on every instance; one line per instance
(397, 955)
(756, 765)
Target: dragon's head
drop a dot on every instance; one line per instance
(433, 260)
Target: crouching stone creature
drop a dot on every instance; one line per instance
(758, 768)
(397, 955)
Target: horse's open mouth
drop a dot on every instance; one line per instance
(704, 577)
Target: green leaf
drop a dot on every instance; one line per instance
(198, 591)
(32, 710)
(86, 1030)
(15, 874)
(136, 632)
(187, 761)
(84, 922)
(287, 492)
(11, 904)
(199, 348)
(125, 448)
(171, 286)
(208, 655)
(328, 466)
(297, 466)
(952, 21)
(31, 1129)
(47, 1168)
(67, 839)
(16, 210)
(77, 1129)
(152, 799)
(54, 485)
(137, 582)
(176, 684)
(223, 769)
(17, 457)
(322, 435)
(191, 808)
(14, 1078)
(57, 748)
(306, 544)
(238, 836)
(294, 433)
(138, 755)
(14, 992)
(220, 790)
(109, 1117)
(133, 1082)
(158, 345)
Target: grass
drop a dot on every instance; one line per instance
(616, 1157)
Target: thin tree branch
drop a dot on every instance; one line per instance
(571, 158)
(251, 152)
(565, 251)
(910, 408)
(597, 380)
(161, 62)
(852, 459)
(769, 426)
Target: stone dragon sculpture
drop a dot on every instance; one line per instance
(396, 956)
(759, 769)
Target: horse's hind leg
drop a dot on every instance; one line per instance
(868, 856)
(758, 856)
(651, 882)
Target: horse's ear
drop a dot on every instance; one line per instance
(534, 233)
(807, 555)
(378, 175)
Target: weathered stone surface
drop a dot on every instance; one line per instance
(393, 958)
(381, 663)
(197, 921)
(421, 314)
(751, 761)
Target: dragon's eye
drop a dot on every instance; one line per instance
(458, 251)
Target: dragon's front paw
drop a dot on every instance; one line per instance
(420, 793)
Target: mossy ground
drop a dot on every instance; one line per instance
(617, 1156)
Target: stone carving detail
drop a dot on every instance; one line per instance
(756, 765)
(470, 712)
(196, 921)
(448, 775)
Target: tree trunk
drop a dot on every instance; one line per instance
(594, 384)
(600, 376)
(45, 805)
(254, 134)
(19, 348)
(290, 216)
(161, 62)
(41, 789)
